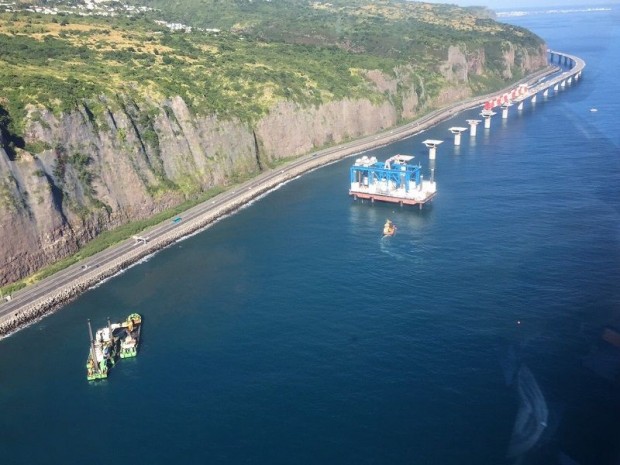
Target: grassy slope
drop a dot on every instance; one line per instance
(305, 51)
(57, 65)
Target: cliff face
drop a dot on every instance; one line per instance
(520, 59)
(107, 163)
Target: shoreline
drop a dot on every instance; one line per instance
(32, 303)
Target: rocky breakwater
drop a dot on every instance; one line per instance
(95, 173)
(92, 276)
(243, 194)
(117, 159)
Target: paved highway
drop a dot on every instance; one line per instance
(62, 286)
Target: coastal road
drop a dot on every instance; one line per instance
(37, 299)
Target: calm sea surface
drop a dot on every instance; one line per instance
(291, 333)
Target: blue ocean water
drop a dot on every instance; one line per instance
(291, 332)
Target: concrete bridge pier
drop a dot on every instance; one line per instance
(546, 92)
(473, 123)
(486, 114)
(457, 134)
(505, 107)
(534, 99)
(432, 144)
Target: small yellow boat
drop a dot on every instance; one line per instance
(389, 229)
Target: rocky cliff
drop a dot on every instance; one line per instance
(116, 160)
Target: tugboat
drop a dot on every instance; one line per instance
(129, 343)
(389, 229)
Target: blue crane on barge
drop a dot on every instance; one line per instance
(396, 180)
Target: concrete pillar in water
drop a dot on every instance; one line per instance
(534, 99)
(457, 134)
(505, 107)
(486, 114)
(432, 144)
(555, 88)
(520, 106)
(473, 123)
(563, 83)
(546, 92)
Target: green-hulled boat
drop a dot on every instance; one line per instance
(104, 347)
(129, 344)
(109, 343)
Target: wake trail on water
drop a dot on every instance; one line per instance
(393, 248)
(385, 247)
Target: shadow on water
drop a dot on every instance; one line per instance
(532, 415)
(564, 459)
(537, 419)
(576, 423)
(533, 412)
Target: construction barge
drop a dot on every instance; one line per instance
(116, 340)
(395, 181)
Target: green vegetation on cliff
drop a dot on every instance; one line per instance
(112, 113)
(240, 57)
(399, 28)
